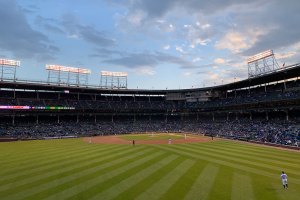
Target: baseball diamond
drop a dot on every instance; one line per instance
(149, 100)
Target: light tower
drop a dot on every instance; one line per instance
(113, 79)
(262, 63)
(9, 69)
(67, 75)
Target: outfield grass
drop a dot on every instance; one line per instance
(72, 169)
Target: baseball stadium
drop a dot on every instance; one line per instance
(69, 140)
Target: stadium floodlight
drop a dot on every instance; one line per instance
(6, 62)
(67, 75)
(260, 56)
(262, 63)
(107, 73)
(68, 69)
(8, 69)
(113, 79)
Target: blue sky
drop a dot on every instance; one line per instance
(161, 44)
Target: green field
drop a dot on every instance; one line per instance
(72, 169)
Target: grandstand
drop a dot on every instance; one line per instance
(266, 106)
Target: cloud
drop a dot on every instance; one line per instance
(282, 27)
(285, 55)
(179, 49)
(241, 26)
(187, 74)
(105, 53)
(88, 33)
(197, 34)
(235, 42)
(145, 71)
(18, 37)
(197, 59)
(93, 36)
(48, 24)
(166, 47)
(205, 26)
(219, 61)
(150, 60)
(158, 9)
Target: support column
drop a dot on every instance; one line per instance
(13, 120)
(236, 116)
(166, 120)
(267, 116)
(134, 118)
(58, 119)
(37, 119)
(265, 87)
(112, 118)
(213, 116)
(95, 119)
(250, 116)
(287, 115)
(77, 120)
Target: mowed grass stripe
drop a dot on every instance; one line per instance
(124, 184)
(151, 179)
(63, 183)
(54, 166)
(221, 188)
(258, 156)
(264, 149)
(203, 184)
(29, 153)
(242, 187)
(99, 177)
(93, 190)
(242, 158)
(166, 182)
(282, 194)
(62, 172)
(52, 162)
(237, 158)
(27, 160)
(197, 155)
(249, 152)
(26, 155)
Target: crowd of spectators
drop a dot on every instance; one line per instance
(271, 131)
(270, 93)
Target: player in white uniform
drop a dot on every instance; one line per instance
(284, 180)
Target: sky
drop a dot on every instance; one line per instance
(171, 44)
